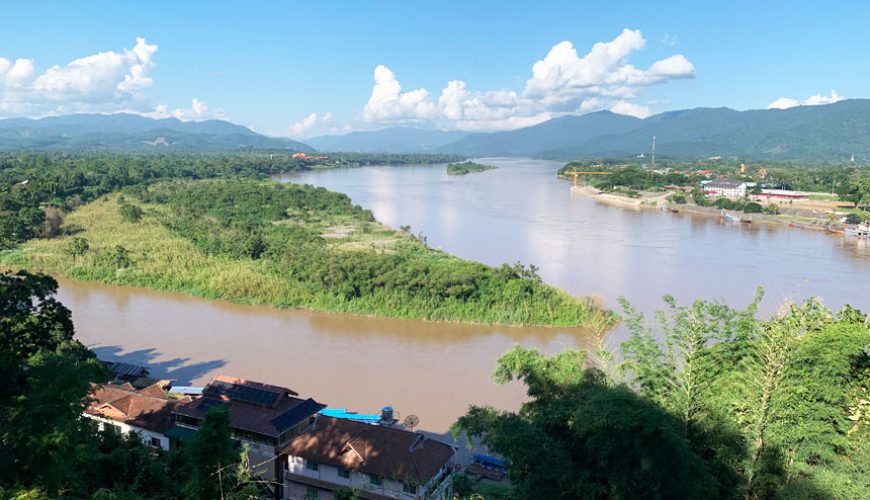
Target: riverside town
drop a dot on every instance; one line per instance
(450, 251)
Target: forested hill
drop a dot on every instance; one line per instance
(388, 140)
(127, 132)
(555, 134)
(830, 132)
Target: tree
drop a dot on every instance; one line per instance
(120, 257)
(582, 437)
(210, 458)
(46, 376)
(130, 213)
(77, 247)
(51, 224)
(753, 208)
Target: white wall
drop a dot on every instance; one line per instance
(144, 434)
(358, 480)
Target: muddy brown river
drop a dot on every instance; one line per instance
(518, 212)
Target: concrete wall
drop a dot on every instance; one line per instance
(357, 480)
(144, 434)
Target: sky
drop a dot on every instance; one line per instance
(302, 69)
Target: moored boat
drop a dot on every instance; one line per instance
(859, 231)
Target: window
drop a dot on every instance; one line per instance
(343, 473)
(376, 480)
(312, 465)
(409, 488)
(155, 442)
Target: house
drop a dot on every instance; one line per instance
(146, 412)
(728, 189)
(126, 372)
(263, 417)
(375, 461)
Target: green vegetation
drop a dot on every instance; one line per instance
(626, 177)
(708, 402)
(49, 450)
(261, 242)
(36, 189)
(467, 167)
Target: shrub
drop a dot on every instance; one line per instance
(130, 213)
(752, 208)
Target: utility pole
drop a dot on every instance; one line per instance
(654, 153)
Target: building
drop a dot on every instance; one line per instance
(376, 461)
(728, 189)
(146, 412)
(781, 194)
(263, 417)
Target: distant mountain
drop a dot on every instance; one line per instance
(832, 131)
(127, 132)
(806, 132)
(388, 140)
(553, 134)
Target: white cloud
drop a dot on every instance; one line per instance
(15, 74)
(106, 82)
(103, 82)
(308, 126)
(197, 111)
(813, 100)
(389, 103)
(561, 83)
(630, 109)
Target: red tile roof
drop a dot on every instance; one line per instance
(148, 409)
(372, 449)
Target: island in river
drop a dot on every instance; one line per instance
(467, 167)
(285, 245)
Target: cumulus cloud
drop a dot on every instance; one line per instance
(308, 126)
(106, 82)
(98, 82)
(388, 103)
(813, 100)
(561, 83)
(630, 109)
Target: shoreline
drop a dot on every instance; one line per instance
(660, 203)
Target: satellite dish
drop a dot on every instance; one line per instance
(411, 421)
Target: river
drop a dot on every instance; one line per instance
(518, 212)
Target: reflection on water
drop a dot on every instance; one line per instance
(517, 212)
(521, 211)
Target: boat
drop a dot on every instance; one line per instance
(859, 231)
(731, 217)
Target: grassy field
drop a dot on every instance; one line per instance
(322, 258)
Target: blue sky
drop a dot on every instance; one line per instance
(308, 68)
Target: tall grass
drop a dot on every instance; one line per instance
(164, 259)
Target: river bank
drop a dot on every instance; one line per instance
(659, 201)
(436, 370)
(291, 246)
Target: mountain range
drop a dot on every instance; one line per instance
(828, 132)
(388, 140)
(129, 132)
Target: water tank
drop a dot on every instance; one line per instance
(387, 413)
